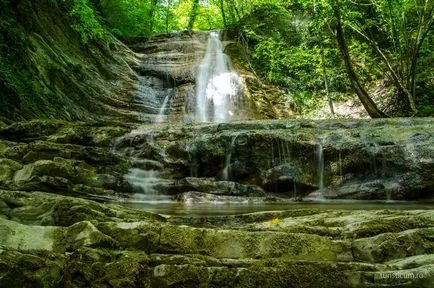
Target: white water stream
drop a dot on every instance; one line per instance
(217, 85)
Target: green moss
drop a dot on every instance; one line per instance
(35, 129)
(88, 135)
(394, 224)
(281, 273)
(8, 168)
(389, 246)
(26, 270)
(67, 212)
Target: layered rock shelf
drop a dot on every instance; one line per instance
(346, 159)
(62, 226)
(57, 241)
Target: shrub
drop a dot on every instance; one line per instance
(86, 21)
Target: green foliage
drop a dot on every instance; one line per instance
(396, 30)
(286, 40)
(284, 49)
(14, 81)
(148, 17)
(87, 24)
(126, 18)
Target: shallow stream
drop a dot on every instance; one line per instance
(214, 209)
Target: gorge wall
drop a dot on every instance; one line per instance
(170, 69)
(47, 72)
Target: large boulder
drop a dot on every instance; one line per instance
(77, 171)
(211, 186)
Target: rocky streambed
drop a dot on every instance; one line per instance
(60, 228)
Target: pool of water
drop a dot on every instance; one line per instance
(209, 209)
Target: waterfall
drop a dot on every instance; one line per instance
(154, 97)
(226, 171)
(320, 165)
(192, 159)
(145, 183)
(217, 86)
(163, 109)
(142, 180)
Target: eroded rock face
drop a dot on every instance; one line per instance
(49, 240)
(58, 241)
(62, 158)
(350, 159)
(174, 56)
(168, 66)
(53, 76)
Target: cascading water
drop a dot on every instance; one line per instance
(217, 86)
(142, 180)
(154, 97)
(163, 110)
(192, 159)
(145, 183)
(226, 171)
(320, 165)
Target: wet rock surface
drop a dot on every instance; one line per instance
(57, 241)
(345, 159)
(167, 70)
(64, 158)
(62, 239)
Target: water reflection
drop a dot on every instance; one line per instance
(225, 208)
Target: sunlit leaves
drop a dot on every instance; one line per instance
(87, 24)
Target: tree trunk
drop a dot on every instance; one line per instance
(323, 64)
(421, 35)
(231, 12)
(326, 81)
(193, 15)
(169, 4)
(236, 10)
(364, 97)
(151, 16)
(222, 9)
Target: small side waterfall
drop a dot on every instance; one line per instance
(320, 165)
(226, 170)
(142, 180)
(192, 159)
(217, 86)
(154, 97)
(163, 110)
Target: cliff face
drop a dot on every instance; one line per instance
(173, 61)
(46, 71)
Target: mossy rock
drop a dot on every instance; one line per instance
(30, 131)
(8, 168)
(82, 134)
(21, 269)
(388, 246)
